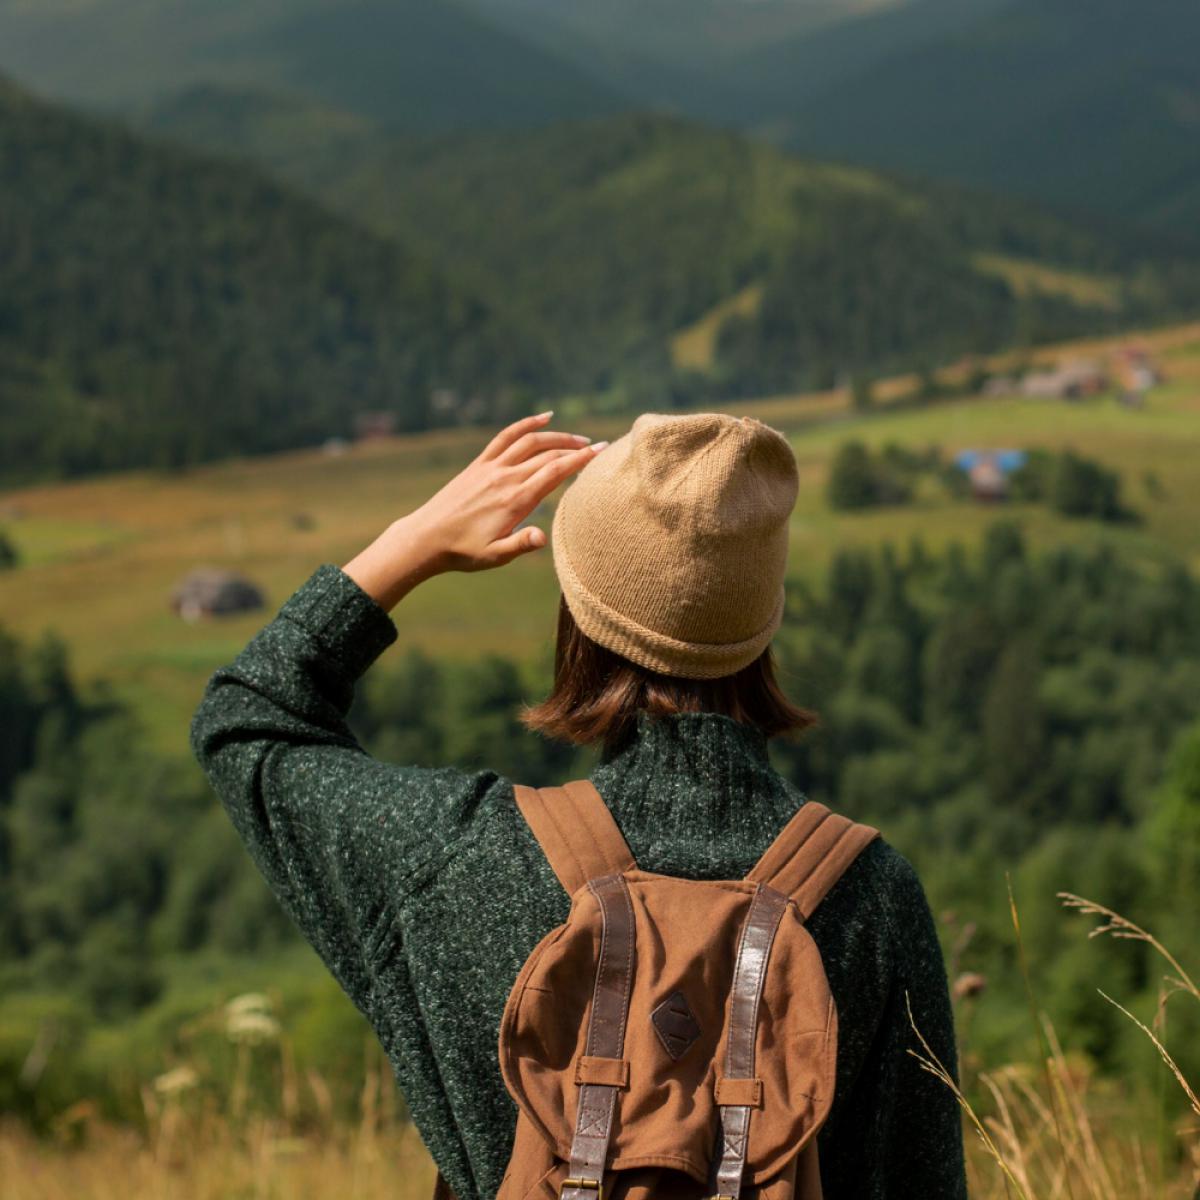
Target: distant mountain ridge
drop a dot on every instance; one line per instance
(733, 62)
(161, 308)
(1090, 103)
(423, 64)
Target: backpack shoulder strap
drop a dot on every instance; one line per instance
(811, 854)
(576, 832)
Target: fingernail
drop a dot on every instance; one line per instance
(537, 537)
(581, 438)
(546, 415)
(598, 446)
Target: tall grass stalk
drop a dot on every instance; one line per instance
(1068, 1137)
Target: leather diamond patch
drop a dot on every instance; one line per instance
(676, 1025)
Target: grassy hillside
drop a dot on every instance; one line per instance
(122, 542)
(158, 308)
(1092, 103)
(610, 237)
(421, 63)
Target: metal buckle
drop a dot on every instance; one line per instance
(583, 1182)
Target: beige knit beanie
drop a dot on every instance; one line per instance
(670, 545)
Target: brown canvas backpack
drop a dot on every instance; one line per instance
(675, 1039)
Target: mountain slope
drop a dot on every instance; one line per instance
(156, 307)
(424, 64)
(1092, 103)
(611, 236)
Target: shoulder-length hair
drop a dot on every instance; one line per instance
(597, 694)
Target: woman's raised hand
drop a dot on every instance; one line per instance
(471, 523)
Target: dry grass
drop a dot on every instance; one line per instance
(201, 1142)
(213, 1162)
(1014, 1152)
(1056, 1131)
(1050, 1131)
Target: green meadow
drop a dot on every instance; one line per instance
(99, 557)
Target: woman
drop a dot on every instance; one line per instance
(423, 889)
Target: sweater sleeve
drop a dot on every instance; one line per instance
(338, 835)
(923, 1134)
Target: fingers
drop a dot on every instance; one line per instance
(511, 433)
(544, 480)
(521, 542)
(529, 444)
(532, 465)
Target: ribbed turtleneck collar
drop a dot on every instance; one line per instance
(696, 788)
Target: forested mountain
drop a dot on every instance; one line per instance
(424, 64)
(1094, 103)
(160, 308)
(610, 236)
(163, 307)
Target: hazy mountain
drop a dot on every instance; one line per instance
(158, 307)
(675, 31)
(1093, 103)
(427, 64)
(1090, 103)
(737, 62)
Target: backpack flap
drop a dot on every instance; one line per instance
(674, 1070)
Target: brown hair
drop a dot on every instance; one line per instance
(597, 694)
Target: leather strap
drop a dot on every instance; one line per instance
(811, 854)
(754, 949)
(576, 832)
(605, 1038)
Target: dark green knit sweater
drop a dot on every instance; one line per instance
(423, 891)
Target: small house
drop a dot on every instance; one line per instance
(988, 471)
(213, 592)
(1067, 381)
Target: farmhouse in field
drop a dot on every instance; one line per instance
(214, 592)
(988, 472)
(1067, 381)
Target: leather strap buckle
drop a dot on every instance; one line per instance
(585, 1184)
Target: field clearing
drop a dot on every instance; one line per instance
(695, 347)
(101, 556)
(1028, 277)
